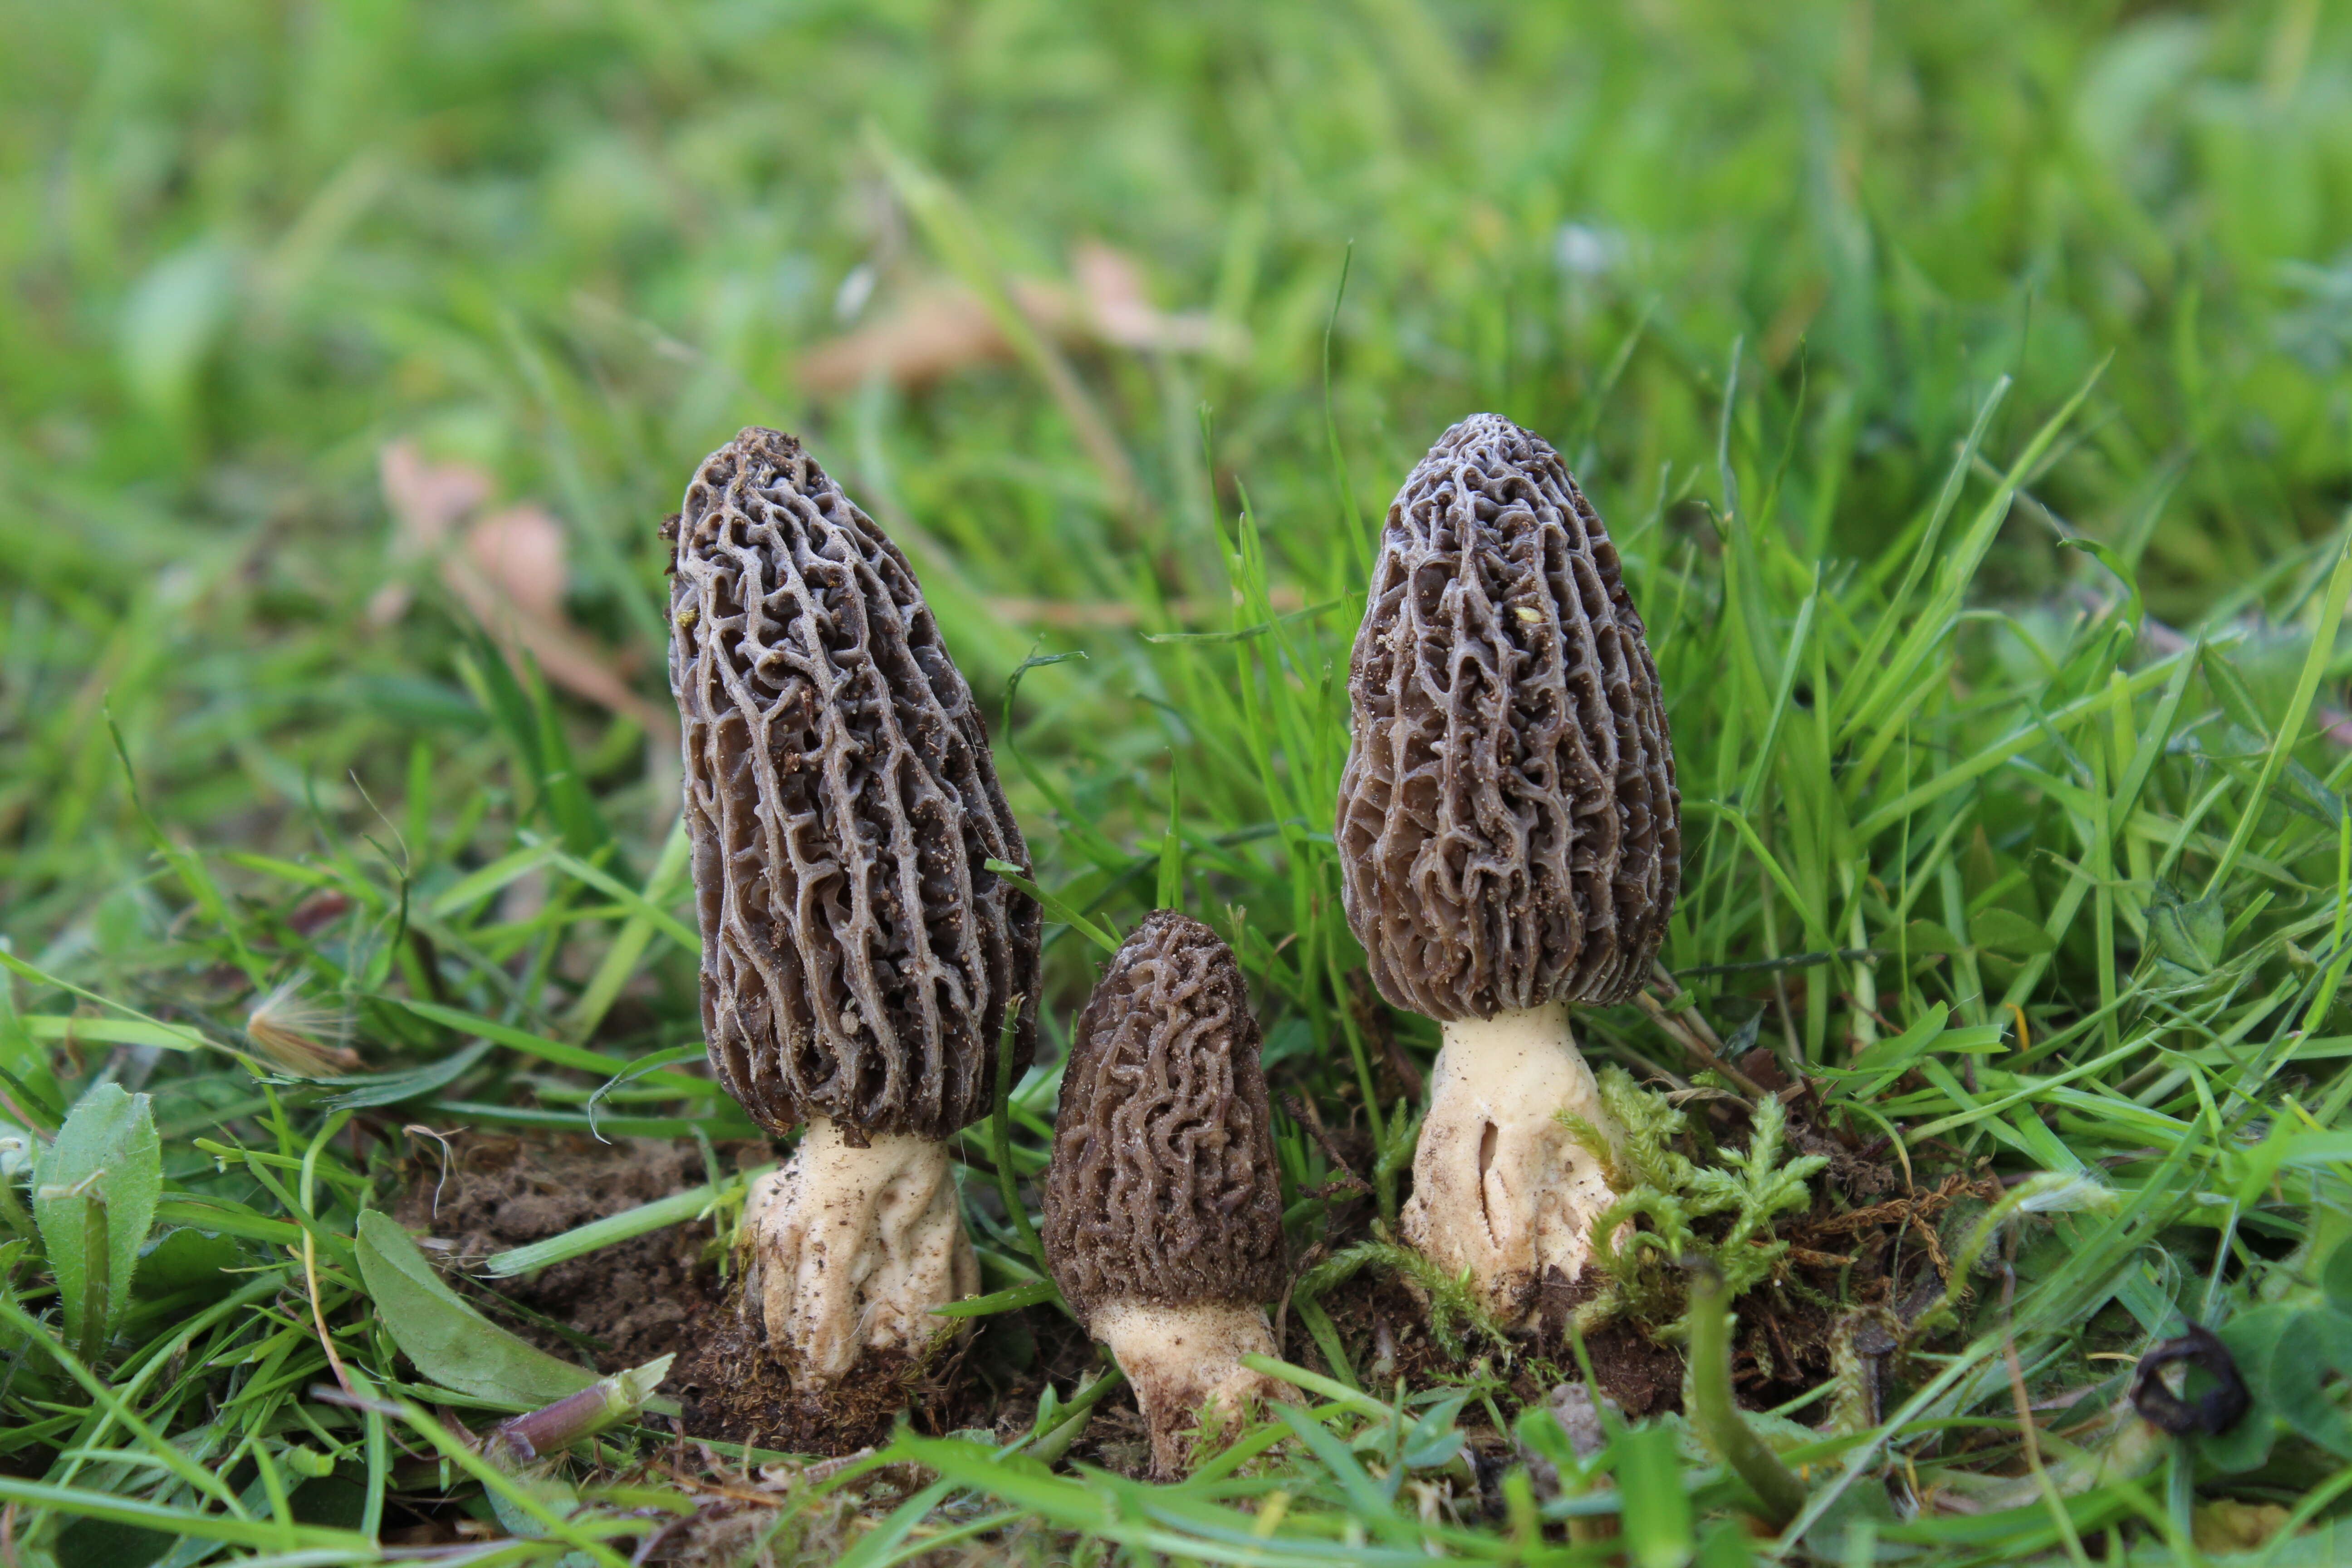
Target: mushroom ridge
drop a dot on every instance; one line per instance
(859, 962)
(1164, 1188)
(1508, 826)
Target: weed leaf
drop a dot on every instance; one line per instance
(93, 1197)
(450, 1342)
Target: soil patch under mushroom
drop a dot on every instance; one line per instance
(727, 1387)
(620, 1306)
(626, 1304)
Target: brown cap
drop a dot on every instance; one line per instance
(1163, 1187)
(1509, 832)
(858, 962)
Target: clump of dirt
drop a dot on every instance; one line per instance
(1641, 1375)
(622, 1305)
(730, 1387)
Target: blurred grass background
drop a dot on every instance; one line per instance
(244, 246)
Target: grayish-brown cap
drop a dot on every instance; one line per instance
(1163, 1187)
(857, 961)
(1509, 832)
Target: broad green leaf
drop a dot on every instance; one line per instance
(2306, 1345)
(2336, 1278)
(93, 1197)
(2250, 1337)
(451, 1343)
(185, 1257)
(2007, 931)
(2188, 931)
(1922, 938)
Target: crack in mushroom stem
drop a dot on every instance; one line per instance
(1500, 1186)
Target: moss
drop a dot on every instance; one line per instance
(1675, 1208)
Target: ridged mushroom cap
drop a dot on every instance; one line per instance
(1163, 1187)
(1509, 831)
(857, 961)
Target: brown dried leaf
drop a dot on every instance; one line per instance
(941, 328)
(520, 553)
(1121, 314)
(508, 570)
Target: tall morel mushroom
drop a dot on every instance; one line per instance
(1510, 836)
(1163, 1206)
(859, 964)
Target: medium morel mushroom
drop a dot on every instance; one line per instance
(1164, 1208)
(858, 962)
(1509, 836)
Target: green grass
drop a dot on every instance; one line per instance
(1966, 387)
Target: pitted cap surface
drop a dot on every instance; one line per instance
(858, 962)
(1163, 1188)
(1509, 831)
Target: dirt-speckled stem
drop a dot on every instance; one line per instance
(1186, 1364)
(852, 1248)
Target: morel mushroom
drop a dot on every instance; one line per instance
(858, 962)
(1509, 836)
(1164, 1208)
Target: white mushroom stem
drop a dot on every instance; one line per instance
(1499, 1187)
(851, 1248)
(1186, 1366)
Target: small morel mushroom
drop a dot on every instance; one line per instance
(1509, 836)
(859, 964)
(1164, 1208)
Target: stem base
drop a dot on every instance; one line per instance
(1499, 1186)
(1186, 1366)
(851, 1248)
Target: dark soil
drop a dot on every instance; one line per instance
(623, 1305)
(1643, 1376)
(728, 1387)
(627, 1304)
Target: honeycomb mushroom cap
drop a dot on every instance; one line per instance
(857, 961)
(1509, 831)
(1163, 1188)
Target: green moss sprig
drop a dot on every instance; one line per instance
(1664, 1187)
